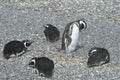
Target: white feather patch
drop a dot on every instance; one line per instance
(106, 57)
(25, 44)
(74, 36)
(66, 43)
(94, 50)
(35, 71)
(82, 22)
(46, 26)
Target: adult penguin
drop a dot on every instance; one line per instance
(71, 35)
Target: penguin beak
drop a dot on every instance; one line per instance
(31, 42)
(29, 64)
(28, 41)
(44, 26)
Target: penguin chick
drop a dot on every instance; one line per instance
(44, 65)
(98, 56)
(16, 48)
(71, 35)
(51, 33)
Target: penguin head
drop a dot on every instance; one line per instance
(47, 26)
(32, 63)
(93, 51)
(82, 25)
(7, 56)
(27, 43)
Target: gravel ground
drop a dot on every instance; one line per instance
(23, 19)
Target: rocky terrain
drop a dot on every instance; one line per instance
(24, 19)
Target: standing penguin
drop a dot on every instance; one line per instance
(51, 33)
(43, 65)
(98, 56)
(16, 47)
(71, 35)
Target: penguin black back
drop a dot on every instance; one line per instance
(51, 33)
(43, 65)
(98, 56)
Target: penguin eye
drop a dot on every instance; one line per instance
(27, 44)
(32, 63)
(82, 25)
(47, 26)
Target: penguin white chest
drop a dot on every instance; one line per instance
(74, 38)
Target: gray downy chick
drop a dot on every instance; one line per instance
(51, 33)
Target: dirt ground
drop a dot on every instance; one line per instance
(24, 19)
